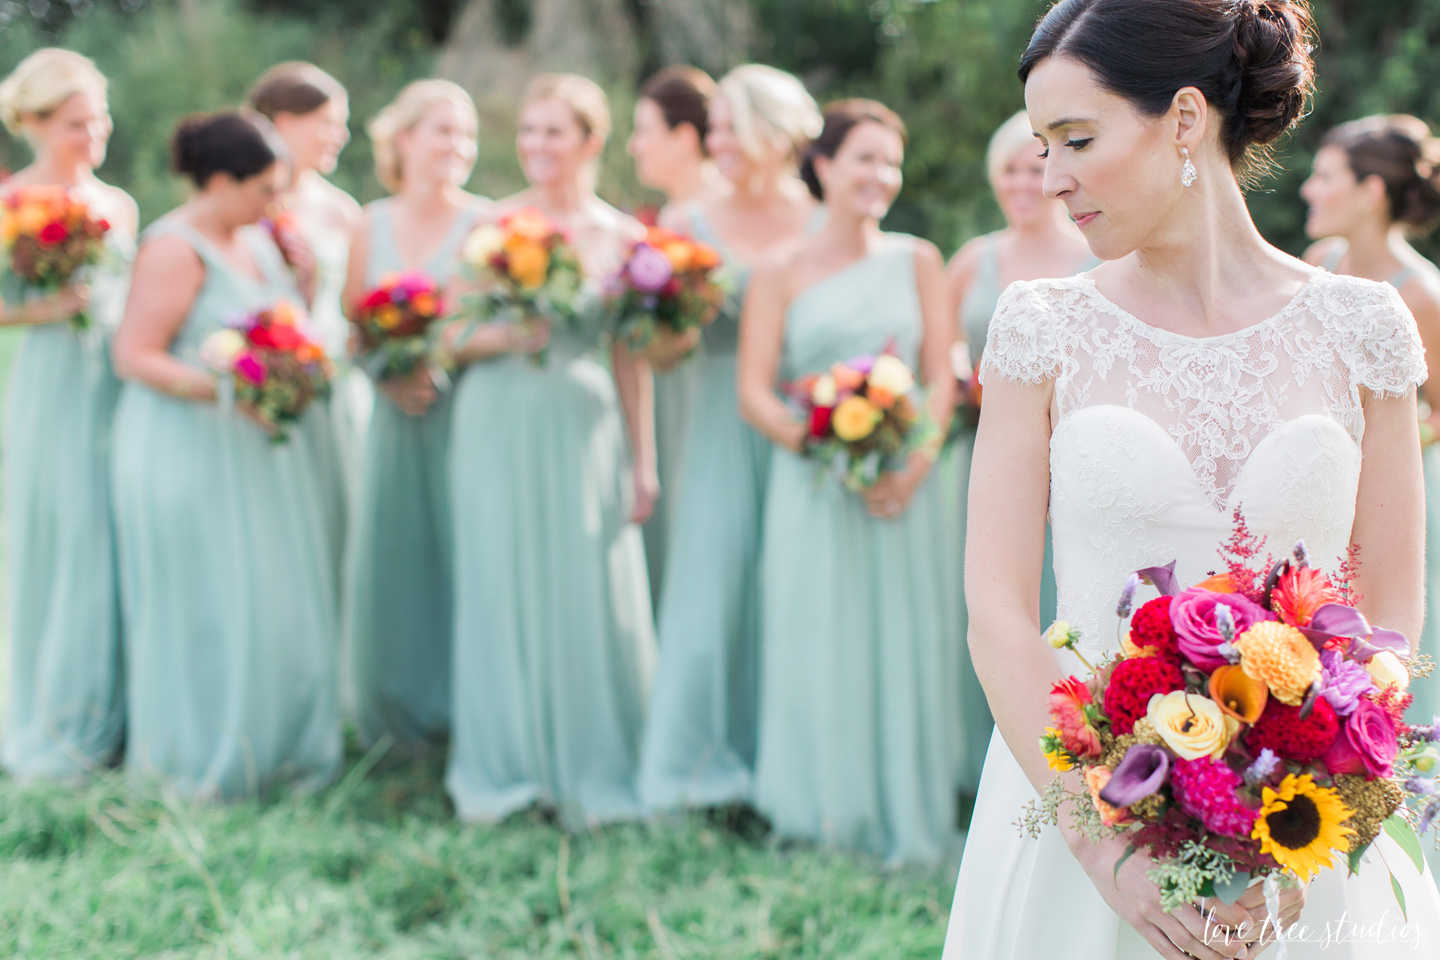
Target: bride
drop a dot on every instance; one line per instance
(1198, 370)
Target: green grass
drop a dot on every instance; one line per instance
(378, 867)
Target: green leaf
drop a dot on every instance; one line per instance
(1399, 896)
(1402, 833)
(1123, 857)
(1230, 891)
(1355, 856)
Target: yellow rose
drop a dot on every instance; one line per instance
(529, 263)
(220, 349)
(1058, 636)
(822, 394)
(1386, 669)
(890, 373)
(1192, 724)
(855, 419)
(482, 244)
(387, 317)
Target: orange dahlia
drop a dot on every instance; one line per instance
(1280, 655)
(1299, 593)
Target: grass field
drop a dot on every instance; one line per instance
(378, 867)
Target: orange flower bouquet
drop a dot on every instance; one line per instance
(49, 235)
(526, 269)
(395, 322)
(270, 364)
(669, 281)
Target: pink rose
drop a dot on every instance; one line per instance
(1366, 744)
(250, 368)
(649, 269)
(1192, 614)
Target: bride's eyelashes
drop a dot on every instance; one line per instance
(1073, 144)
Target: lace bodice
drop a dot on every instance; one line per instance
(1159, 436)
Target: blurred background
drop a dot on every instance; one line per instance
(947, 66)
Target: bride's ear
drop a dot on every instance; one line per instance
(1190, 114)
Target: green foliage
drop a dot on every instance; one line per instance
(378, 867)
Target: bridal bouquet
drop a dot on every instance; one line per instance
(865, 416)
(48, 235)
(270, 364)
(1251, 728)
(669, 281)
(396, 322)
(526, 268)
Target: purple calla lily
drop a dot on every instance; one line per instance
(1161, 578)
(1140, 773)
(1337, 620)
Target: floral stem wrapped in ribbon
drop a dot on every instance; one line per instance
(668, 282)
(270, 364)
(526, 269)
(396, 322)
(49, 236)
(1251, 728)
(865, 416)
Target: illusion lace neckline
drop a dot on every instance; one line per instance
(1113, 308)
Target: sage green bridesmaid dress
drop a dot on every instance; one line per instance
(226, 572)
(860, 703)
(554, 640)
(674, 400)
(699, 747)
(400, 580)
(65, 709)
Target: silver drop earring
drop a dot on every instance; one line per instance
(1187, 170)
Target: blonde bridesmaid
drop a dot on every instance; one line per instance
(400, 591)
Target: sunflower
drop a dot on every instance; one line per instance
(1300, 824)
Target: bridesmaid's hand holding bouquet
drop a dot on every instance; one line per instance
(49, 235)
(273, 370)
(527, 272)
(396, 323)
(663, 295)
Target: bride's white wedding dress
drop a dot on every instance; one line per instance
(1158, 438)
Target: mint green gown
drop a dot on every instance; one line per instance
(699, 747)
(65, 708)
(226, 572)
(554, 640)
(860, 703)
(399, 572)
(674, 400)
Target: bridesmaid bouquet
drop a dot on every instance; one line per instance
(1251, 730)
(270, 364)
(49, 235)
(864, 416)
(396, 322)
(281, 225)
(526, 268)
(669, 281)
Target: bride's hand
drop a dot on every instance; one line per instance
(1292, 901)
(1178, 935)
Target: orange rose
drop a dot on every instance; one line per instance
(529, 263)
(881, 397)
(527, 225)
(680, 254)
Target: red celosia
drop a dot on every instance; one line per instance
(1209, 791)
(1281, 729)
(1132, 683)
(1151, 627)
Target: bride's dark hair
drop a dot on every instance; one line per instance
(1251, 59)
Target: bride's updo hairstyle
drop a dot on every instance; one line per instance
(1251, 59)
(1401, 152)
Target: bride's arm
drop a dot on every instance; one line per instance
(1390, 517)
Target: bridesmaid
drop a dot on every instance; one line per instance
(668, 145)
(1039, 240)
(700, 740)
(311, 113)
(399, 597)
(225, 565)
(1374, 185)
(65, 713)
(858, 706)
(553, 633)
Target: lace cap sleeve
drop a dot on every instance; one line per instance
(1388, 358)
(1023, 343)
